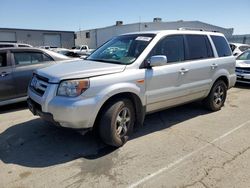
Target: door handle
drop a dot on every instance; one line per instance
(183, 71)
(3, 74)
(214, 66)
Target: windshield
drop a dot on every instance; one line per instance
(122, 49)
(244, 56)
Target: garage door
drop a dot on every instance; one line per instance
(53, 40)
(7, 36)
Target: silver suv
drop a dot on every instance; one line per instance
(132, 75)
(9, 44)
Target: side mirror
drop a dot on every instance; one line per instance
(158, 60)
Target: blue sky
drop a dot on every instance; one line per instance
(75, 14)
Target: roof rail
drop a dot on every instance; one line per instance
(195, 29)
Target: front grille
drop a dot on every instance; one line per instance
(243, 79)
(36, 105)
(39, 84)
(243, 70)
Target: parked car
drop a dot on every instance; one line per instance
(16, 68)
(82, 50)
(66, 52)
(243, 67)
(238, 48)
(8, 44)
(142, 73)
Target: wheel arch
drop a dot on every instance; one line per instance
(137, 103)
(224, 79)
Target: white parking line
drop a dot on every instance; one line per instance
(146, 178)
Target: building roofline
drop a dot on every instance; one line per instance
(136, 23)
(173, 31)
(36, 30)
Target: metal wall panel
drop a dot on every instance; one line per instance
(7, 36)
(53, 40)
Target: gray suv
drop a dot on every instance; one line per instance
(133, 75)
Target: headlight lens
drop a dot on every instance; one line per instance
(73, 88)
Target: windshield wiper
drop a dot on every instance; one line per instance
(106, 61)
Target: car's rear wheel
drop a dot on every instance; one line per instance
(217, 96)
(117, 122)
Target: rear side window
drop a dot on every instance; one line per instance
(3, 60)
(172, 47)
(26, 58)
(221, 46)
(198, 47)
(6, 45)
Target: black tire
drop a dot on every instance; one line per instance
(117, 122)
(217, 96)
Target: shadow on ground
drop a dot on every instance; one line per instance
(36, 143)
(242, 86)
(13, 107)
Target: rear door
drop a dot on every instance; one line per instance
(7, 84)
(186, 76)
(199, 61)
(25, 64)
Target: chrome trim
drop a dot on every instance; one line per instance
(11, 101)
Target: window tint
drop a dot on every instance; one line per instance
(198, 47)
(172, 47)
(3, 60)
(23, 45)
(84, 48)
(232, 46)
(6, 45)
(221, 46)
(244, 48)
(25, 58)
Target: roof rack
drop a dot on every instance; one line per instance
(195, 29)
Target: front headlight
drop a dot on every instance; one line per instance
(73, 88)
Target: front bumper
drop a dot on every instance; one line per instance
(36, 111)
(243, 77)
(75, 113)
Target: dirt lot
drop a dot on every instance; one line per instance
(181, 147)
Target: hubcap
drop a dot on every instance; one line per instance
(218, 95)
(122, 122)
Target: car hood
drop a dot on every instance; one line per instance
(78, 69)
(243, 63)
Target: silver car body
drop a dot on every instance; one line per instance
(238, 48)
(157, 88)
(9, 44)
(243, 67)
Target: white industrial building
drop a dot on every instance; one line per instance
(244, 39)
(96, 37)
(33, 37)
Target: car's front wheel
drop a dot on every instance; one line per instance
(217, 96)
(117, 121)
